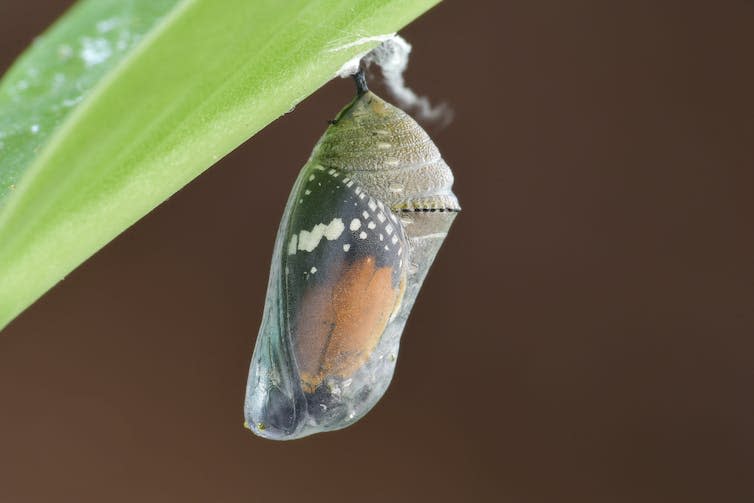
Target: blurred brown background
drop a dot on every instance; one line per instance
(586, 335)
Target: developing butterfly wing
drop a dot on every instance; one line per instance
(339, 277)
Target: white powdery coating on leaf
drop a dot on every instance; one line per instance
(95, 51)
(108, 24)
(352, 65)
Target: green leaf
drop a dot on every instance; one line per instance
(121, 103)
(55, 74)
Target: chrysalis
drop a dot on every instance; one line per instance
(363, 223)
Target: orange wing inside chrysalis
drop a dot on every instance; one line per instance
(340, 322)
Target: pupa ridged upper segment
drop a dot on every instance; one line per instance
(363, 223)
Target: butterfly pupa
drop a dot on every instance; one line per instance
(363, 223)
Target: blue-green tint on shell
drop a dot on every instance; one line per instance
(363, 223)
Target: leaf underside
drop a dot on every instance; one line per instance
(121, 103)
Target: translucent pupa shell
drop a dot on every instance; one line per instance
(364, 221)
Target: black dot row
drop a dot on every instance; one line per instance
(431, 210)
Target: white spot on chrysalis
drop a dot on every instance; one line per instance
(309, 240)
(371, 225)
(334, 229)
(372, 205)
(365, 215)
(363, 235)
(346, 247)
(355, 224)
(313, 270)
(381, 217)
